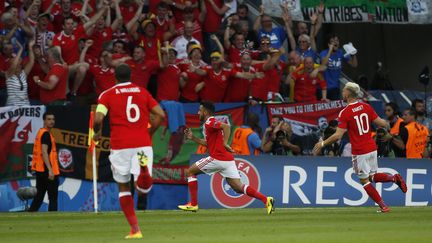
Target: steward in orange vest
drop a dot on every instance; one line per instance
(37, 160)
(240, 141)
(414, 135)
(45, 165)
(416, 142)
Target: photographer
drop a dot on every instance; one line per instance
(383, 140)
(279, 140)
(333, 149)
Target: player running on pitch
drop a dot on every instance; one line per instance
(357, 117)
(129, 108)
(216, 136)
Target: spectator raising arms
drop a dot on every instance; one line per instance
(16, 78)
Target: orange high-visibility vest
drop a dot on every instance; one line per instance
(416, 143)
(239, 142)
(37, 161)
(395, 129)
(201, 149)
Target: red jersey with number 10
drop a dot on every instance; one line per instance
(129, 109)
(357, 118)
(215, 140)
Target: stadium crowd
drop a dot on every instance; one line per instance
(64, 52)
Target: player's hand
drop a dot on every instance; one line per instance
(50, 175)
(228, 148)
(317, 148)
(188, 133)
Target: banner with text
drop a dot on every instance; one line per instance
(71, 134)
(18, 129)
(349, 11)
(315, 181)
(306, 118)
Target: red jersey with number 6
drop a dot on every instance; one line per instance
(215, 140)
(357, 118)
(129, 109)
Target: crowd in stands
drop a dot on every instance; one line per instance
(64, 51)
(58, 52)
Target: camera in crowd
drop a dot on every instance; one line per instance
(384, 147)
(281, 135)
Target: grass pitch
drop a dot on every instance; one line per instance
(355, 224)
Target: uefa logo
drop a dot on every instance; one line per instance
(226, 196)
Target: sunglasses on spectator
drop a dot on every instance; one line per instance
(265, 43)
(266, 21)
(302, 41)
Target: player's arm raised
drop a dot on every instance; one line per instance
(158, 115)
(333, 138)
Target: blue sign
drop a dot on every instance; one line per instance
(315, 181)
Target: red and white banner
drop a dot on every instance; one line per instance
(306, 118)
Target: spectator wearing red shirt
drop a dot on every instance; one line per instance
(188, 15)
(128, 9)
(265, 62)
(141, 68)
(103, 31)
(40, 68)
(67, 10)
(148, 40)
(214, 11)
(189, 92)
(239, 87)
(306, 79)
(170, 79)
(68, 41)
(102, 73)
(53, 87)
(216, 79)
(179, 6)
(164, 22)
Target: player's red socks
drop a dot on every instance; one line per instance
(127, 206)
(251, 192)
(383, 177)
(193, 189)
(145, 181)
(372, 192)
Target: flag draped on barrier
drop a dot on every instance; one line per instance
(18, 129)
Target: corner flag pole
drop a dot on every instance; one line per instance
(92, 149)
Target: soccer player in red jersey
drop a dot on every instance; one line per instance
(357, 117)
(216, 135)
(131, 152)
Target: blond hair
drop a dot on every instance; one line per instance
(354, 89)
